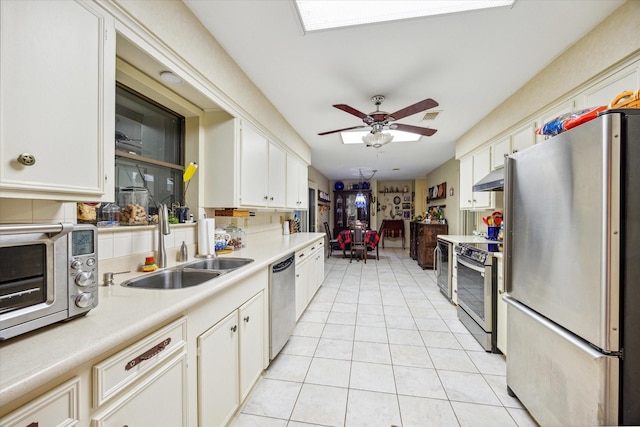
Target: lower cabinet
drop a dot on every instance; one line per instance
(146, 383)
(159, 400)
(309, 274)
(58, 407)
(230, 358)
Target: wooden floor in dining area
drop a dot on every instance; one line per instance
(379, 345)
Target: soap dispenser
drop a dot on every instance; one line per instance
(183, 255)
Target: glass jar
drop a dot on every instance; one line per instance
(109, 215)
(135, 205)
(238, 238)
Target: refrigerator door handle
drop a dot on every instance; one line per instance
(509, 164)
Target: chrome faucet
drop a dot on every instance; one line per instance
(163, 230)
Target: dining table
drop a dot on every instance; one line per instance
(371, 238)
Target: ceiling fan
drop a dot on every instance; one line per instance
(379, 120)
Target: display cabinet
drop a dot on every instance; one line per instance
(346, 212)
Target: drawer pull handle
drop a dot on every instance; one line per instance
(234, 328)
(148, 354)
(246, 319)
(33, 424)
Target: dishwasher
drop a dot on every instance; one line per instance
(282, 303)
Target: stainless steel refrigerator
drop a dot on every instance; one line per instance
(572, 269)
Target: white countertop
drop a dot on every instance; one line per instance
(34, 359)
(459, 238)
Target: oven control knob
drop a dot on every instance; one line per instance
(76, 264)
(84, 278)
(84, 299)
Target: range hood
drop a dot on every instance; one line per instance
(492, 182)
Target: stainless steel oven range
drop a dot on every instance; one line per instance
(477, 294)
(48, 273)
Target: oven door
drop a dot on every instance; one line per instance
(474, 291)
(33, 279)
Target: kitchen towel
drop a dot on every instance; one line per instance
(206, 230)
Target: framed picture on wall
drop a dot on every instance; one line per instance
(407, 198)
(406, 215)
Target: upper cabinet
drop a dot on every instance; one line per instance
(242, 168)
(518, 140)
(297, 184)
(262, 170)
(57, 79)
(472, 169)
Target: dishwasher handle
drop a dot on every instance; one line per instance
(283, 265)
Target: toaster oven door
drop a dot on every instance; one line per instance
(33, 281)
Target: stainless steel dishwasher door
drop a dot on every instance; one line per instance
(282, 303)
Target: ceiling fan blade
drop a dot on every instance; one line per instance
(413, 109)
(350, 110)
(341, 130)
(415, 129)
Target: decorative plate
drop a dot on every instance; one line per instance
(396, 200)
(339, 185)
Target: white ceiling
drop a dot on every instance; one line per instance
(468, 62)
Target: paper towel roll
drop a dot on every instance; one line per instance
(285, 227)
(206, 243)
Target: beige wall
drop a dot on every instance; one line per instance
(610, 42)
(448, 172)
(320, 183)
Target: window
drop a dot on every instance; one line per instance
(149, 148)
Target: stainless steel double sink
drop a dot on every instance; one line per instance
(187, 275)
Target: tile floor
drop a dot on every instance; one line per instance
(380, 346)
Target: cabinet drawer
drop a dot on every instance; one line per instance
(59, 407)
(120, 370)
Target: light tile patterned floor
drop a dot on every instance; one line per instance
(380, 346)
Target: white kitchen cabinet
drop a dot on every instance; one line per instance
(58, 407)
(158, 400)
(499, 150)
(57, 100)
(521, 138)
(502, 310)
(241, 167)
(297, 184)
(230, 360)
(302, 282)
(145, 383)
(472, 169)
(262, 171)
(309, 274)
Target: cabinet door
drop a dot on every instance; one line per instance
(277, 176)
(319, 269)
(58, 407)
(293, 182)
(254, 172)
(481, 168)
(466, 183)
(523, 138)
(160, 400)
(302, 287)
(57, 102)
(251, 342)
(500, 149)
(218, 393)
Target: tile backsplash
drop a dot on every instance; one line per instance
(125, 248)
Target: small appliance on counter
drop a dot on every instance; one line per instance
(48, 274)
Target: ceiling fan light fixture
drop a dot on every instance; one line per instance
(377, 139)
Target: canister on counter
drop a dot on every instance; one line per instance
(135, 205)
(237, 239)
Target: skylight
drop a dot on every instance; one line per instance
(355, 137)
(324, 14)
